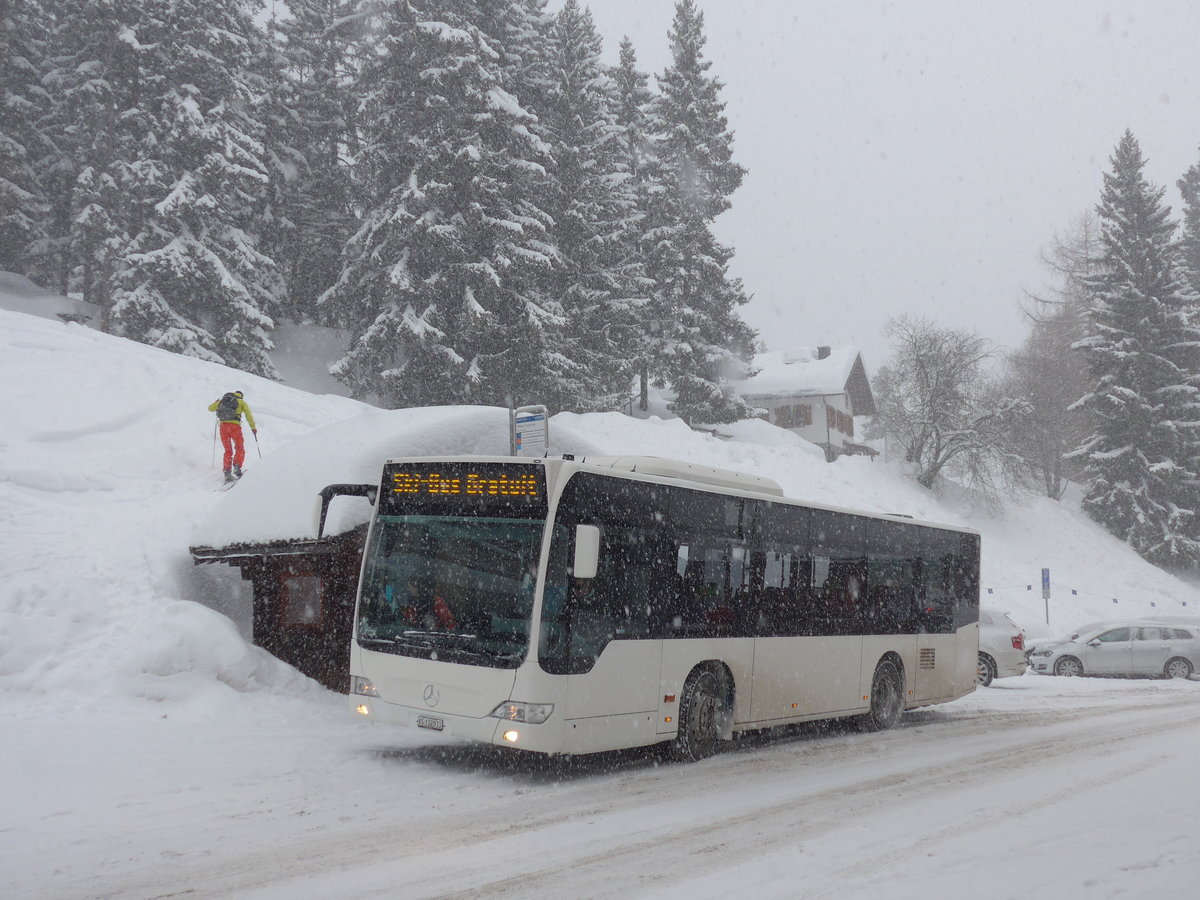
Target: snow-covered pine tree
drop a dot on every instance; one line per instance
(592, 201)
(24, 35)
(100, 123)
(633, 99)
(1141, 460)
(516, 31)
(698, 340)
(309, 139)
(1189, 241)
(193, 279)
(441, 282)
(275, 107)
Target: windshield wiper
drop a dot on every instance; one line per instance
(447, 642)
(391, 643)
(368, 641)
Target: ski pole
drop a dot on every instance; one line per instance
(256, 444)
(214, 462)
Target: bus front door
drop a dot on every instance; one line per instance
(615, 704)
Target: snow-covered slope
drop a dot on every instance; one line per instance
(107, 475)
(106, 460)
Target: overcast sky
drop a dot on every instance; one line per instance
(915, 157)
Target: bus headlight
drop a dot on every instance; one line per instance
(360, 685)
(530, 713)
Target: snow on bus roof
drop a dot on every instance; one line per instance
(277, 497)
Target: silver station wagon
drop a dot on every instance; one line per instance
(1123, 649)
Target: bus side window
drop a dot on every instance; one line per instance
(690, 604)
(627, 580)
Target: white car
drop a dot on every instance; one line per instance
(1001, 647)
(1032, 647)
(1146, 648)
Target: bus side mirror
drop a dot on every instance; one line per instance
(326, 495)
(587, 551)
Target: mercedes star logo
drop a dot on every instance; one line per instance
(431, 695)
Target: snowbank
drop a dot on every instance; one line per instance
(108, 474)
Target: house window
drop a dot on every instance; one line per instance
(300, 600)
(839, 421)
(795, 415)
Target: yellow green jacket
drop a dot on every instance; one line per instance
(242, 407)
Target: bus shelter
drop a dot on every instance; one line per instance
(303, 598)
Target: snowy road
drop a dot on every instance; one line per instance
(1083, 787)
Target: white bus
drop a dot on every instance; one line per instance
(572, 606)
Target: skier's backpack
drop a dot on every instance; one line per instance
(227, 409)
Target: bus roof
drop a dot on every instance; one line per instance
(685, 471)
(664, 467)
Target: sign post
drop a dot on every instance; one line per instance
(1046, 592)
(530, 431)
(512, 425)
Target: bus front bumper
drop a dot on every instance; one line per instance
(539, 738)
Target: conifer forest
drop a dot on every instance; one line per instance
(464, 187)
(492, 213)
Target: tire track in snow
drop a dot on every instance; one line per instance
(690, 852)
(545, 829)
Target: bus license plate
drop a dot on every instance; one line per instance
(430, 722)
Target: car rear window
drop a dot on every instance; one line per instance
(1182, 634)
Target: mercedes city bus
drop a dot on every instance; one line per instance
(571, 606)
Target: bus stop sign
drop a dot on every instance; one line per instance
(530, 431)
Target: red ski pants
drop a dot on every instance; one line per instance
(231, 440)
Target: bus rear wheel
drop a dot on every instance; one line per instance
(887, 697)
(701, 710)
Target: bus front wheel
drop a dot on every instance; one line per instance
(887, 697)
(701, 709)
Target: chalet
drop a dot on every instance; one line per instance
(815, 392)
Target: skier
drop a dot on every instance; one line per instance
(229, 409)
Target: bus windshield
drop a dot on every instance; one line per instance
(452, 588)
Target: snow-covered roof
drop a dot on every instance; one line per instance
(277, 497)
(803, 372)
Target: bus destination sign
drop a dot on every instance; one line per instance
(455, 488)
(469, 484)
